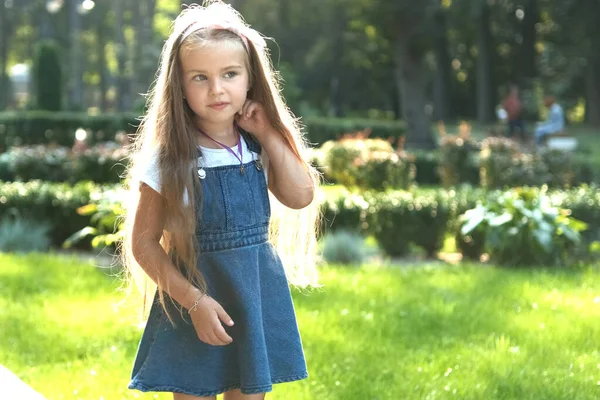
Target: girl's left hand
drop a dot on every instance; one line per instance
(253, 118)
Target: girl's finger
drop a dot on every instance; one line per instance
(223, 316)
(251, 109)
(247, 105)
(220, 333)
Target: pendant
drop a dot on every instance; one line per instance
(201, 171)
(258, 165)
(242, 170)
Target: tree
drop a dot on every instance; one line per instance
(75, 83)
(407, 25)
(484, 64)
(441, 80)
(122, 84)
(47, 75)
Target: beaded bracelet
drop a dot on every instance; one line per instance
(194, 307)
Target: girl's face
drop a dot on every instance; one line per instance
(215, 83)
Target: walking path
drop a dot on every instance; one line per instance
(12, 388)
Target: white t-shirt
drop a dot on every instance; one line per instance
(210, 158)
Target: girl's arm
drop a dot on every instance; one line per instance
(147, 232)
(289, 179)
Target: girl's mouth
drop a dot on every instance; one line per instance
(218, 106)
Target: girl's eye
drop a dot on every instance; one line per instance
(200, 78)
(231, 74)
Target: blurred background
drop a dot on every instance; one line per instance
(433, 60)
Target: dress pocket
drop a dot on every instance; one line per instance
(213, 211)
(239, 197)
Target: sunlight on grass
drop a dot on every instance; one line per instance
(468, 332)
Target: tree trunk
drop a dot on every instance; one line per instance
(484, 66)
(592, 104)
(336, 83)
(441, 79)
(4, 33)
(528, 50)
(76, 58)
(149, 55)
(122, 97)
(137, 47)
(102, 67)
(410, 80)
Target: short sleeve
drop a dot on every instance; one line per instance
(149, 173)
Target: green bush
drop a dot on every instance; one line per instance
(400, 218)
(106, 221)
(503, 165)
(55, 203)
(458, 160)
(23, 235)
(560, 165)
(367, 164)
(522, 228)
(47, 76)
(427, 165)
(423, 217)
(344, 247)
(320, 130)
(43, 127)
(344, 211)
(40, 127)
(584, 204)
(103, 163)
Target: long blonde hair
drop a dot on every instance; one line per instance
(168, 130)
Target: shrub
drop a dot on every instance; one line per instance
(47, 76)
(400, 218)
(427, 166)
(503, 165)
(106, 221)
(344, 211)
(357, 161)
(102, 163)
(560, 166)
(23, 235)
(522, 228)
(55, 203)
(46, 127)
(584, 204)
(321, 130)
(344, 247)
(458, 157)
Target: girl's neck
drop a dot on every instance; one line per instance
(224, 133)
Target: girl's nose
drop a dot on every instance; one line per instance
(216, 87)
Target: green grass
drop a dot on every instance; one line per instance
(468, 332)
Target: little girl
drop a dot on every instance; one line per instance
(217, 138)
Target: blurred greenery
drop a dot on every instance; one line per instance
(453, 59)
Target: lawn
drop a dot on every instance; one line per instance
(417, 332)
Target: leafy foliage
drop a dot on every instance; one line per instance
(523, 228)
(343, 247)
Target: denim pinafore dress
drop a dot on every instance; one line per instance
(246, 276)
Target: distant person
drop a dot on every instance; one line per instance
(555, 122)
(513, 107)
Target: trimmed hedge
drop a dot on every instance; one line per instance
(421, 217)
(54, 203)
(321, 130)
(41, 127)
(103, 163)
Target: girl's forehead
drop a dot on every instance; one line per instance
(213, 56)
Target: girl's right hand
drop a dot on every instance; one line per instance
(207, 321)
